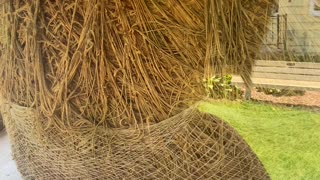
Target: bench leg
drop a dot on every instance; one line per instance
(247, 94)
(245, 73)
(248, 85)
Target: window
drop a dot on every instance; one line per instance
(275, 9)
(315, 7)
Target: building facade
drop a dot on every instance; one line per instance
(295, 28)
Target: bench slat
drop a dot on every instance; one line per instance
(285, 70)
(286, 76)
(279, 83)
(267, 63)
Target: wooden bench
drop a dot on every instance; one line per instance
(284, 75)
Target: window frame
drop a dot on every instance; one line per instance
(313, 10)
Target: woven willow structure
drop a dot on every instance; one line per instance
(190, 145)
(123, 63)
(100, 89)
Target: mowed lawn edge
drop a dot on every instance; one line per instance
(286, 140)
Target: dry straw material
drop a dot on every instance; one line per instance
(97, 89)
(190, 145)
(123, 63)
(1, 124)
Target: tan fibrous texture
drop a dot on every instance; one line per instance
(95, 89)
(190, 145)
(122, 63)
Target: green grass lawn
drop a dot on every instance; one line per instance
(286, 140)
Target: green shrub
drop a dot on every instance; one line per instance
(220, 87)
(280, 92)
